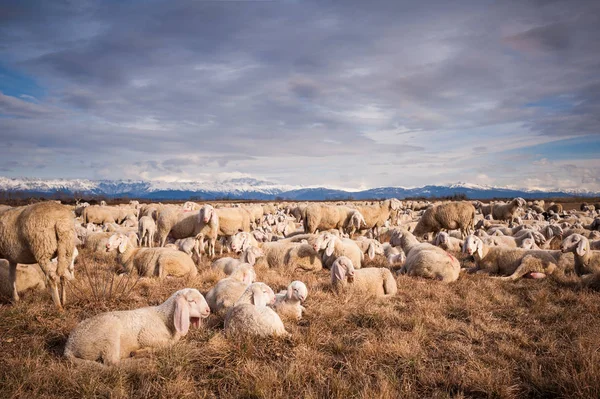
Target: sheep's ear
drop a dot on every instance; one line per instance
(250, 257)
(338, 272)
(480, 249)
(330, 247)
(583, 247)
(181, 317)
(258, 297)
(371, 251)
(123, 244)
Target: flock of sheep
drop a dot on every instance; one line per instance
(39, 245)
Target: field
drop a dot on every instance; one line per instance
(478, 337)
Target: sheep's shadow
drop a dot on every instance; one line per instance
(55, 346)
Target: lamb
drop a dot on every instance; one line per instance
(242, 241)
(148, 262)
(227, 291)
(586, 260)
(508, 211)
(447, 243)
(512, 263)
(333, 247)
(112, 336)
(252, 316)
(288, 303)
(450, 216)
(289, 255)
(228, 265)
(36, 234)
(146, 231)
(377, 281)
(425, 260)
(395, 257)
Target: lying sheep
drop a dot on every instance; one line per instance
(227, 291)
(586, 260)
(36, 234)
(370, 247)
(394, 255)
(112, 336)
(377, 281)
(28, 277)
(513, 263)
(450, 216)
(289, 255)
(447, 243)
(228, 265)
(288, 303)
(252, 316)
(333, 247)
(425, 260)
(146, 231)
(148, 262)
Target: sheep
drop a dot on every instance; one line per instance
(289, 255)
(512, 263)
(394, 256)
(450, 216)
(425, 260)
(369, 246)
(586, 260)
(319, 217)
(148, 262)
(179, 223)
(208, 227)
(28, 277)
(36, 234)
(447, 243)
(288, 303)
(508, 211)
(243, 240)
(227, 291)
(190, 246)
(227, 265)
(146, 231)
(252, 316)
(557, 208)
(375, 216)
(112, 336)
(377, 281)
(333, 247)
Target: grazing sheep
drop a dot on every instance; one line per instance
(508, 211)
(425, 260)
(377, 281)
(149, 262)
(227, 291)
(586, 260)
(228, 265)
(450, 216)
(513, 263)
(288, 303)
(146, 231)
(375, 216)
(355, 223)
(252, 316)
(556, 208)
(112, 336)
(289, 255)
(36, 234)
(333, 247)
(447, 243)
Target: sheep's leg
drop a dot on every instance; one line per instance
(63, 291)
(12, 279)
(529, 264)
(53, 280)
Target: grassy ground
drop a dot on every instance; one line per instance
(478, 337)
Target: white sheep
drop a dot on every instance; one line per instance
(190, 246)
(377, 281)
(227, 291)
(448, 243)
(369, 246)
(586, 260)
(252, 316)
(112, 336)
(289, 255)
(148, 262)
(228, 265)
(146, 231)
(29, 277)
(288, 303)
(208, 227)
(36, 234)
(333, 247)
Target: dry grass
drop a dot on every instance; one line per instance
(478, 337)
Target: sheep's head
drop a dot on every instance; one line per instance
(190, 307)
(520, 202)
(529, 243)
(575, 243)
(442, 238)
(473, 245)
(325, 241)
(261, 294)
(553, 230)
(395, 204)
(244, 273)
(374, 248)
(253, 253)
(119, 241)
(240, 241)
(206, 213)
(342, 268)
(297, 290)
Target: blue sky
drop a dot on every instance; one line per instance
(346, 94)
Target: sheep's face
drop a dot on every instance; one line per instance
(262, 294)
(115, 241)
(190, 307)
(473, 245)
(442, 238)
(297, 290)
(325, 241)
(575, 243)
(206, 213)
(240, 241)
(199, 309)
(342, 268)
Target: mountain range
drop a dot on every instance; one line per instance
(254, 189)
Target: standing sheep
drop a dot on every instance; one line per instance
(36, 234)
(377, 281)
(112, 336)
(375, 216)
(146, 231)
(508, 211)
(450, 216)
(208, 227)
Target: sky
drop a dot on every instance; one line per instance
(344, 94)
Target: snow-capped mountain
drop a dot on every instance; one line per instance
(254, 189)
